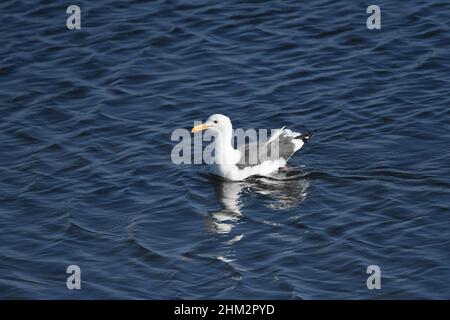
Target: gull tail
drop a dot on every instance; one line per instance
(306, 136)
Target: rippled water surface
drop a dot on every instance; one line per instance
(86, 176)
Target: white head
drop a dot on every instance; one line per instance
(217, 123)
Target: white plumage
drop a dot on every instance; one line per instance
(234, 164)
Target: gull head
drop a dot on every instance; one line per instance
(217, 123)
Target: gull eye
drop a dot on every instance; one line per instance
(215, 121)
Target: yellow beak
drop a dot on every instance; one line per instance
(200, 127)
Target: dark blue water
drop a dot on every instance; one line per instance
(86, 176)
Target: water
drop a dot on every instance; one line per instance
(86, 176)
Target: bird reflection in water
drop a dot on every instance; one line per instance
(284, 189)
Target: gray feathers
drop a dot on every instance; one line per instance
(284, 146)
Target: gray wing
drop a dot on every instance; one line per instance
(253, 154)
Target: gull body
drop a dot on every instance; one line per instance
(231, 164)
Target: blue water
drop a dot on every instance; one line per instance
(86, 176)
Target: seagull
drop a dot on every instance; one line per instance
(238, 164)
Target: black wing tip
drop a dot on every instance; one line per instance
(306, 136)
